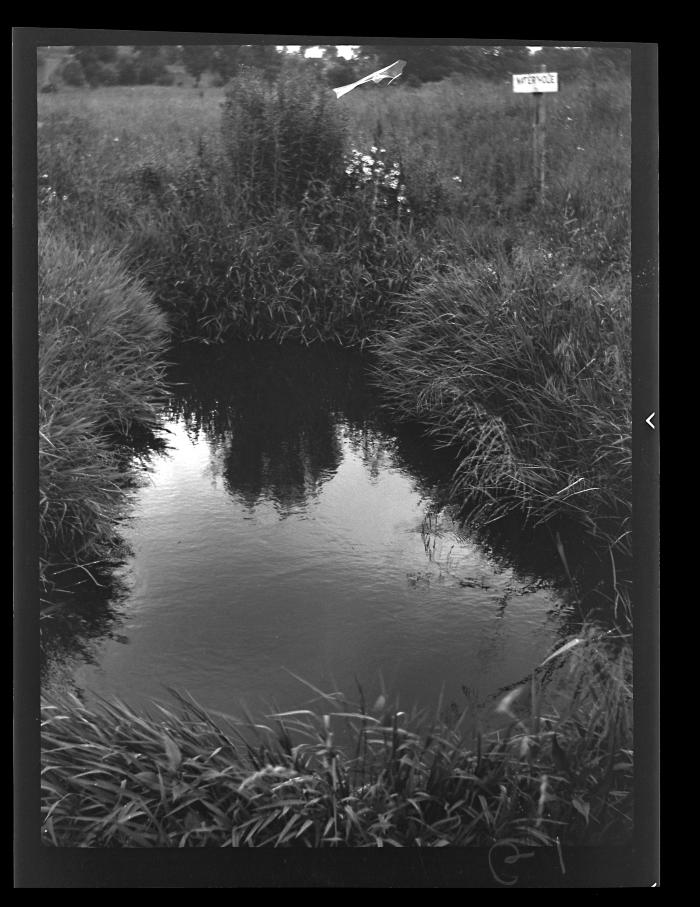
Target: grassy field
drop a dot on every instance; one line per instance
(402, 220)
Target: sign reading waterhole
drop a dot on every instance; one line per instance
(536, 82)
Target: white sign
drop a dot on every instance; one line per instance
(536, 82)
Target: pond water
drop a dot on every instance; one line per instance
(289, 533)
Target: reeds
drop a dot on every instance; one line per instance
(100, 372)
(560, 769)
(524, 371)
(279, 137)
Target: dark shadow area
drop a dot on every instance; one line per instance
(83, 610)
(270, 414)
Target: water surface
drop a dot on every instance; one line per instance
(288, 529)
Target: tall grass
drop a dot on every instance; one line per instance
(525, 370)
(280, 137)
(329, 269)
(100, 371)
(481, 134)
(558, 770)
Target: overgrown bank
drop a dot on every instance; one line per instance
(559, 770)
(526, 374)
(101, 347)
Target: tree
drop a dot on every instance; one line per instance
(94, 58)
(226, 60)
(87, 57)
(509, 60)
(609, 60)
(172, 53)
(197, 58)
(432, 62)
(341, 72)
(568, 62)
(264, 57)
(72, 73)
(149, 63)
(126, 71)
(425, 62)
(329, 52)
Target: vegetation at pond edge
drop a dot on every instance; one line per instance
(101, 343)
(527, 371)
(402, 220)
(559, 771)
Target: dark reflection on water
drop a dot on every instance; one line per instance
(271, 426)
(291, 528)
(76, 622)
(271, 414)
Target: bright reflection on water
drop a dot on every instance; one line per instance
(287, 529)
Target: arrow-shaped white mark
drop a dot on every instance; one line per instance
(389, 72)
(649, 422)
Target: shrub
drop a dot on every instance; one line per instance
(127, 73)
(72, 73)
(165, 78)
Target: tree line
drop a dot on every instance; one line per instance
(160, 64)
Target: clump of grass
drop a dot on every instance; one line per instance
(522, 367)
(100, 372)
(279, 137)
(329, 270)
(560, 770)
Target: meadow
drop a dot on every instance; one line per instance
(404, 222)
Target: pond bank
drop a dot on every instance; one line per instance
(102, 343)
(561, 770)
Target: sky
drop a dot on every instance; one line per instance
(344, 50)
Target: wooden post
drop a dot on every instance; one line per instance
(538, 142)
(537, 84)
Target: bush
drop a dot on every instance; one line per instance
(109, 75)
(165, 78)
(72, 73)
(126, 71)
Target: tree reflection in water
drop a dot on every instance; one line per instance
(276, 417)
(271, 415)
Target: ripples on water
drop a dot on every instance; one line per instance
(289, 530)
